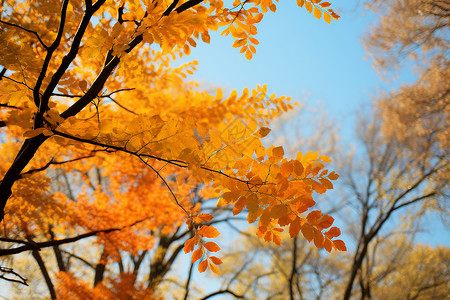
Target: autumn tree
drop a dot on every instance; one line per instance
(407, 152)
(417, 115)
(421, 273)
(103, 137)
(386, 184)
(383, 196)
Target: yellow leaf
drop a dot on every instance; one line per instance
(214, 268)
(219, 95)
(203, 266)
(327, 17)
(325, 159)
(309, 7)
(317, 13)
(239, 43)
(248, 54)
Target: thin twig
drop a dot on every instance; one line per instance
(27, 30)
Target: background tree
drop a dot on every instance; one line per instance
(385, 194)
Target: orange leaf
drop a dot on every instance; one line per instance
(298, 167)
(333, 232)
(189, 245)
(278, 153)
(197, 255)
(328, 245)
(294, 229)
(248, 54)
(239, 205)
(82, 85)
(202, 266)
(205, 217)
(286, 169)
(300, 2)
(318, 239)
(277, 211)
(340, 245)
(211, 246)
(325, 4)
(326, 183)
(333, 176)
(318, 187)
(263, 131)
(277, 239)
(325, 222)
(239, 43)
(268, 236)
(305, 202)
(208, 232)
(205, 37)
(313, 216)
(215, 260)
(308, 232)
(286, 219)
(253, 40)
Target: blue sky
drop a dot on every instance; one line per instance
(299, 55)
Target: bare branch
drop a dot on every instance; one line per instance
(10, 271)
(227, 291)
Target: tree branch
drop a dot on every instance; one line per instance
(39, 245)
(27, 30)
(227, 291)
(6, 270)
